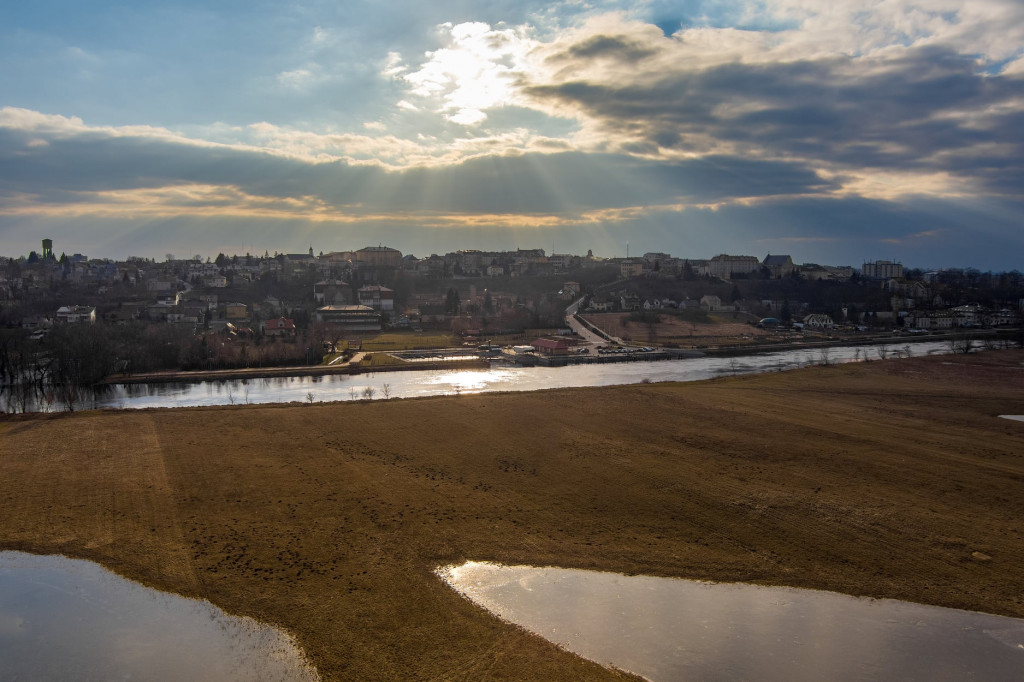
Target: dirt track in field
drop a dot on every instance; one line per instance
(890, 479)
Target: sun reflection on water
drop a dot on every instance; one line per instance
(472, 381)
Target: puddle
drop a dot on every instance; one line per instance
(671, 629)
(1015, 417)
(67, 619)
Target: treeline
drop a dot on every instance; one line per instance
(53, 368)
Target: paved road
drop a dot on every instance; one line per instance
(589, 337)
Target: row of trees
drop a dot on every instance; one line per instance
(68, 359)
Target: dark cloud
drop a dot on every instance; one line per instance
(928, 110)
(620, 48)
(68, 169)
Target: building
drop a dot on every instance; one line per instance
(377, 297)
(778, 266)
(819, 321)
(551, 347)
(725, 267)
(629, 301)
(280, 326)
(380, 256)
(631, 267)
(882, 269)
(563, 262)
(236, 311)
(76, 314)
(710, 302)
(570, 291)
(332, 291)
(350, 317)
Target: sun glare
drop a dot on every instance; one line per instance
(475, 72)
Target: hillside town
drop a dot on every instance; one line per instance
(288, 309)
(378, 286)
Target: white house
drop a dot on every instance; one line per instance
(710, 303)
(819, 321)
(377, 297)
(75, 314)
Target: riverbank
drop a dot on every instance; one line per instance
(241, 373)
(889, 478)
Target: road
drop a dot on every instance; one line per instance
(589, 337)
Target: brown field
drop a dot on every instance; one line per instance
(890, 479)
(723, 330)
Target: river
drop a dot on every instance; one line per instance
(422, 383)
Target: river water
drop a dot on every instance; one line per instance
(670, 629)
(67, 619)
(414, 384)
(500, 377)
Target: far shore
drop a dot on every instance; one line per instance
(290, 371)
(889, 479)
(737, 350)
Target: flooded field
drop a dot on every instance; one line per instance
(672, 629)
(64, 619)
(892, 479)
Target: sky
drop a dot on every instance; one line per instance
(836, 131)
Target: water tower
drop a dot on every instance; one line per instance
(47, 248)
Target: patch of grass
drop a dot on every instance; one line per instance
(526, 336)
(381, 360)
(409, 341)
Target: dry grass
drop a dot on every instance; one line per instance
(409, 341)
(881, 479)
(381, 360)
(720, 331)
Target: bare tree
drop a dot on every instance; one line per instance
(386, 390)
(310, 396)
(368, 392)
(961, 343)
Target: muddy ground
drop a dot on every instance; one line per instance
(890, 479)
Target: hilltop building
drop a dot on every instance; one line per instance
(724, 266)
(380, 256)
(778, 266)
(882, 269)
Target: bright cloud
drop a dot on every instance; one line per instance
(475, 72)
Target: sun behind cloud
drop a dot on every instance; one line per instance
(474, 72)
